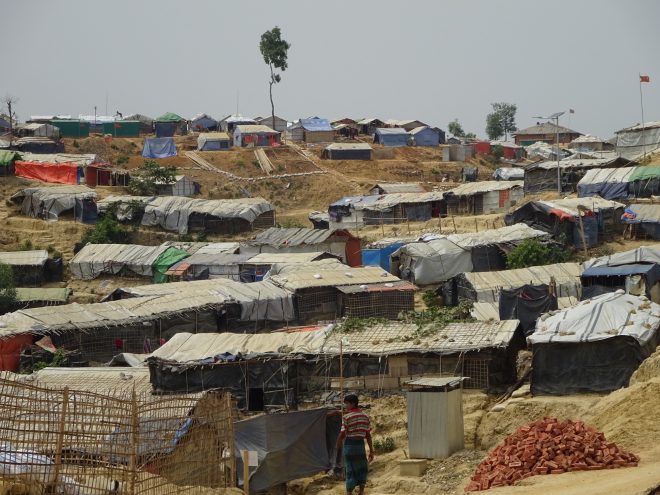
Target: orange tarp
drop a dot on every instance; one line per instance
(59, 173)
(10, 351)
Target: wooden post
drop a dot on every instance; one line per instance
(134, 444)
(454, 222)
(476, 225)
(60, 437)
(584, 240)
(246, 472)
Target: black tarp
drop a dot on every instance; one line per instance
(526, 304)
(289, 446)
(599, 366)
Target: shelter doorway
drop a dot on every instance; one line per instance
(255, 400)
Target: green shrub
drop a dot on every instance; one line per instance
(122, 159)
(149, 177)
(384, 445)
(430, 298)
(531, 252)
(106, 231)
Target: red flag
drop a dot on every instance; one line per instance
(646, 79)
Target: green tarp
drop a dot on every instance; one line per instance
(169, 257)
(169, 117)
(645, 173)
(7, 157)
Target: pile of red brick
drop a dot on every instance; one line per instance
(548, 446)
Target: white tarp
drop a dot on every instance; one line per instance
(96, 259)
(54, 199)
(635, 141)
(603, 317)
(644, 254)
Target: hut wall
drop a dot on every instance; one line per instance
(377, 304)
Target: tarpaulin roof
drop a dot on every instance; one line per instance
(316, 125)
(644, 254)
(616, 175)
(573, 163)
(55, 173)
(169, 117)
(82, 159)
(509, 173)
(291, 258)
(400, 187)
(502, 235)
(237, 117)
(52, 294)
(93, 379)
(325, 264)
(255, 129)
(603, 317)
(294, 236)
(172, 212)
(211, 136)
(159, 147)
(348, 146)
(165, 260)
(377, 202)
(391, 130)
(24, 258)
(94, 260)
(471, 188)
(645, 173)
(304, 279)
(642, 213)
(55, 199)
(205, 247)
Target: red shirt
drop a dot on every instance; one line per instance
(355, 424)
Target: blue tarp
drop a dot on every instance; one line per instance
(606, 190)
(426, 137)
(391, 137)
(159, 148)
(380, 257)
(165, 129)
(315, 124)
(651, 272)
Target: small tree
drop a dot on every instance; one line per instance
(494, 128)
(275, 52)
(497, 152)
(149, 177)
(7, 288)
(10, 101)
(531, 252)
(456, 128)
(506, 113)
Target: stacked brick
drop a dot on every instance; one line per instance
(548, 446)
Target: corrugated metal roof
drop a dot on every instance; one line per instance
(470, 188)
(348, 146)
(545, 128)
(332, 278)
(400, 187)
(255, 129)
(24, 258)
(368, 121)
(291, 237)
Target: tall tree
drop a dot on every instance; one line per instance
(494, 128)
(9, 101)
(507, 115)
(275, 51)
(456, 128)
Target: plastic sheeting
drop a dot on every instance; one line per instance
(94, 260)
(526, 304)
(56, 173)
(510, 173)
(289, 446)
(168, 258)
(433, 262)
(160, 147)
(635, 141)
(51, 201)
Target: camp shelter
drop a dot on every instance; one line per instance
(102, 174)
(92, 379)
(378, 253)
(636, 272)
(392, 137)
(229, 123)
(256, 266)
(320, 220)
(213, 141)
(127, 260)
(183, 215)
(39, 130)
(203, 122)
(255, 135)
(489, 290)
(41, 145)
(478, 198)
(357, 211)
(546, 132)
(7, 159)
(593, 347)
(289, 445)
(122, 128)
(321, 295)
(182, 186)
(643, 220)
(338, 242)
(425, 136)
(54, 173)
(201, 266)
(396, 187)
(638, 140)
(192, 247)
(509, 173)
(50, 202)
(369, 125)
(28, 267)
(594, 218)
(72, 128)
(169, 124)
(621, 183)
(348, 151)
(279, 124)
(81, 159)
(438, 258)
(146, 123)
(312, 130)
(385, 300)
(32, 297)
(542, 176)
(158, 147)
(588, 143)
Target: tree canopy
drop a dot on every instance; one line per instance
(494, 129)
(275, 52)
(455, 128)
(505, 114)
(149, 176)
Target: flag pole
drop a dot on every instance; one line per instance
(641, 104)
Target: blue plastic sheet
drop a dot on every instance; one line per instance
(158, 148)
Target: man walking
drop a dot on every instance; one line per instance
(354, 430)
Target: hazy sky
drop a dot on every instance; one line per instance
(428, 60)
